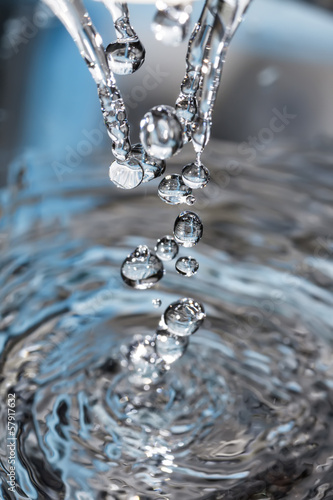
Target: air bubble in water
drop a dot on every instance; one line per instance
(195, 175)
(152, 167)
(184, 317)
(161, 132)
(188, 229)
(187, 266)
(166, 248)
(173, 190)
(157, 303)
(142, 269)
(125, 57)
(170, 23)
(170, 347)
(126, 174)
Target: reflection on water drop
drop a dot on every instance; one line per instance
(161, 132)
(172, 190)
(142, 269)
(125, 57)
(184, 317)
(166, 248)
(188, 229)
(187, 266)
(195, 176)
(127, 174)
(157, 303)
(171, 23)
(152, 167)
(170, 347)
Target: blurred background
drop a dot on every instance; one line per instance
(280, 62)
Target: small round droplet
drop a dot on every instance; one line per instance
(142, 269)
(184, 317)
(166, 248)
(187, 266)
(190, 200)
(126, 174)
(161, 132)
(195, 176)
(170, 24)
(170, 347)
(157, 303)
(172, 190)
(125, 57)
(188, 229)
(152, 167)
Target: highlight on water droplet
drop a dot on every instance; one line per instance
(172, 190)
(142, 269)
(187, 266)
(161, 132)
(127, 174)
(195, 175)
(184, 317)
(166, 248)
(188, 229)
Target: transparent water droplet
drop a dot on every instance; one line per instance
(195, 175)
(187, 266)
(170, 24)
(126, 174)
(184, 317)
(190, 200)
(142, 269)
(170, 347)
(161, 132)
(188, 229)
(152, 167)
(166, 248)
(125, 57)
(145, 362)
(157, 303)
(173, 190)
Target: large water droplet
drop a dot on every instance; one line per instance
(170, 347)
(125, 57)
(187, 266)
(170, 23)
(161, 132)
(173, 190)
(184, 317)
(142, 269)
(166, 248)
(127, 174)
(152, 167)
(188, 229)
(195, 176)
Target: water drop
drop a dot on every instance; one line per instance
(187, 266)
(184, 317)
(195, 175)
(125, 57)
(152, 167)
(190, 200)
(157, 303)
(126, 174)
(142, 269)
(161, 132)
(173, 190)
(166, 248)
(170, 347)
(170, 23)
(188, 229)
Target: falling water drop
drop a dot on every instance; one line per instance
(166, 248)
(170, 347)
(187, 266)
(125, 57)
(188, 229)
(142, 269)
(170, 24)
(195, 175)
(190, 200)
(152, 167)
(161, 132)
(173, 190)
(157, 303)
(184, 317)
(126, 174)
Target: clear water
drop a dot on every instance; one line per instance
(247, 411)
